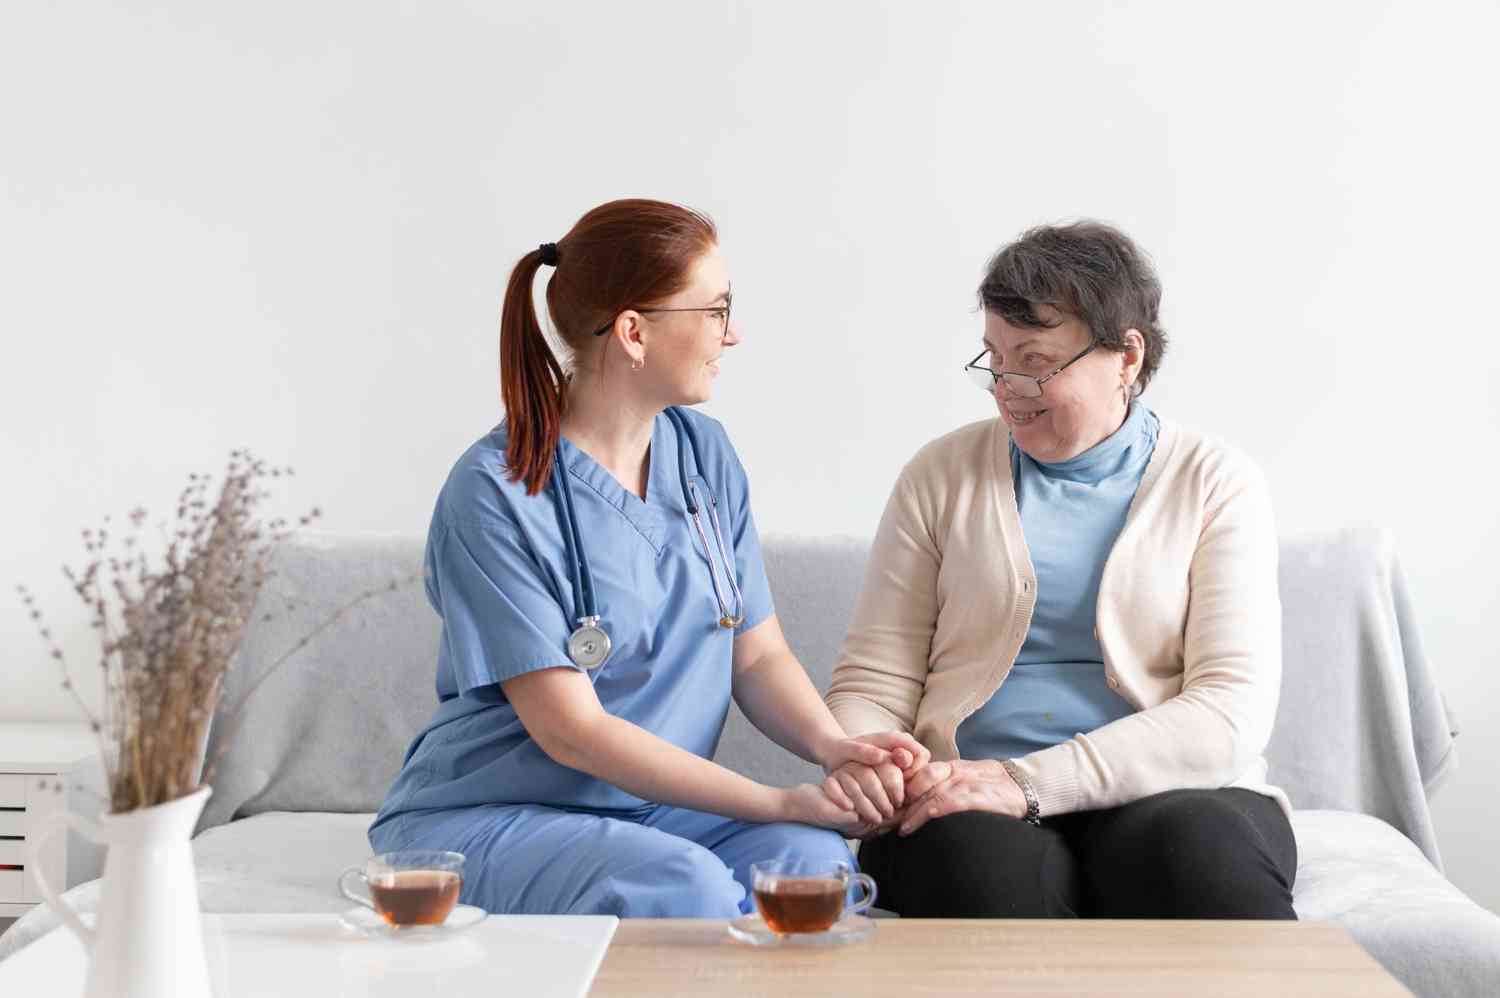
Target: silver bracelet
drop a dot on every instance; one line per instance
(1033, 807)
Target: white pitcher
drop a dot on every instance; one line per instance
(148, 938)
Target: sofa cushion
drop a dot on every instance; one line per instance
(1360, 872)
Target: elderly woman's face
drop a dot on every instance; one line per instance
(1080, 406)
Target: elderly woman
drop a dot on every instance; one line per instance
(1074, 607)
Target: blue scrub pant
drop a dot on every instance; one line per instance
(667, 863)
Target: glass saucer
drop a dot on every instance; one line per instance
(365, 922)
(752, 929)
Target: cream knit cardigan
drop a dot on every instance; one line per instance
(1189, 620)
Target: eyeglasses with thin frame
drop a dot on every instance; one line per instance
(722, 310)
(1024, 386)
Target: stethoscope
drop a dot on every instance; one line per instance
(589, 645)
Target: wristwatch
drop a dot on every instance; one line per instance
(1033, 807)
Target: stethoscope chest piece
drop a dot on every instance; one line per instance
(588, 646)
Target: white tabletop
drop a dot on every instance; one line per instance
(546, 956)
(44, 746)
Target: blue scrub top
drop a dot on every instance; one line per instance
(499, 576)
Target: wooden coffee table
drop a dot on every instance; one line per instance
(553, 957)
(907, 958)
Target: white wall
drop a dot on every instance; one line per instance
(288, 225)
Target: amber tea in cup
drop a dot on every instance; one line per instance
(415, 887)
(796, 896)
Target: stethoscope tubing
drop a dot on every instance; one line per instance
(584, 596)
(578, 559)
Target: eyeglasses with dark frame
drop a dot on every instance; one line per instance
(723, 318)
(1024, 386)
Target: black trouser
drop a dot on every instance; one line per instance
(1180, 854)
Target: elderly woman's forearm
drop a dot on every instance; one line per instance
(866, 699)
(1200, 739)
(859, 715)
(882, 669)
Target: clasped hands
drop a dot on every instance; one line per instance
(910, 789)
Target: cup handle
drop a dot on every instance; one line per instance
(865, 903)
(344, 887)
(52, 825)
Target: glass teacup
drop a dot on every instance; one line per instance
(803, 896)
(413, 887)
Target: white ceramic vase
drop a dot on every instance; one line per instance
(148, 937)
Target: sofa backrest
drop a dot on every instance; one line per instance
(327, 730)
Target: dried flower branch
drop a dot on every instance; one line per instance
(172, 632)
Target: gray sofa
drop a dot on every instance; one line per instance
(1361, 739)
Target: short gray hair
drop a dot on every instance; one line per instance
(1088, 270)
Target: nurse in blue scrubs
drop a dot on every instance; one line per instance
(598, 574)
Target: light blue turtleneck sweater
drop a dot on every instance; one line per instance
(1071, 513)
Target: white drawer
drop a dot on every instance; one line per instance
(12, 853)
(13, 886)
(12, 790)
(12, 823)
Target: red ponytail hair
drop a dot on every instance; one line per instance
(623, 254)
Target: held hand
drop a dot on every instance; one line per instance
(875, 793)
(907, 753)
(846, 750)
(852, 782)
(868, 775)
(944, 788)
(810, 804)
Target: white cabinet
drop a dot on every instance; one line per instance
(34, 759)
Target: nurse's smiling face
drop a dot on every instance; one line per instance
(682, 349)
(1078, 407)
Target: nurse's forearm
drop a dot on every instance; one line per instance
(611, 749)
(777, 697)
(563, 715)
